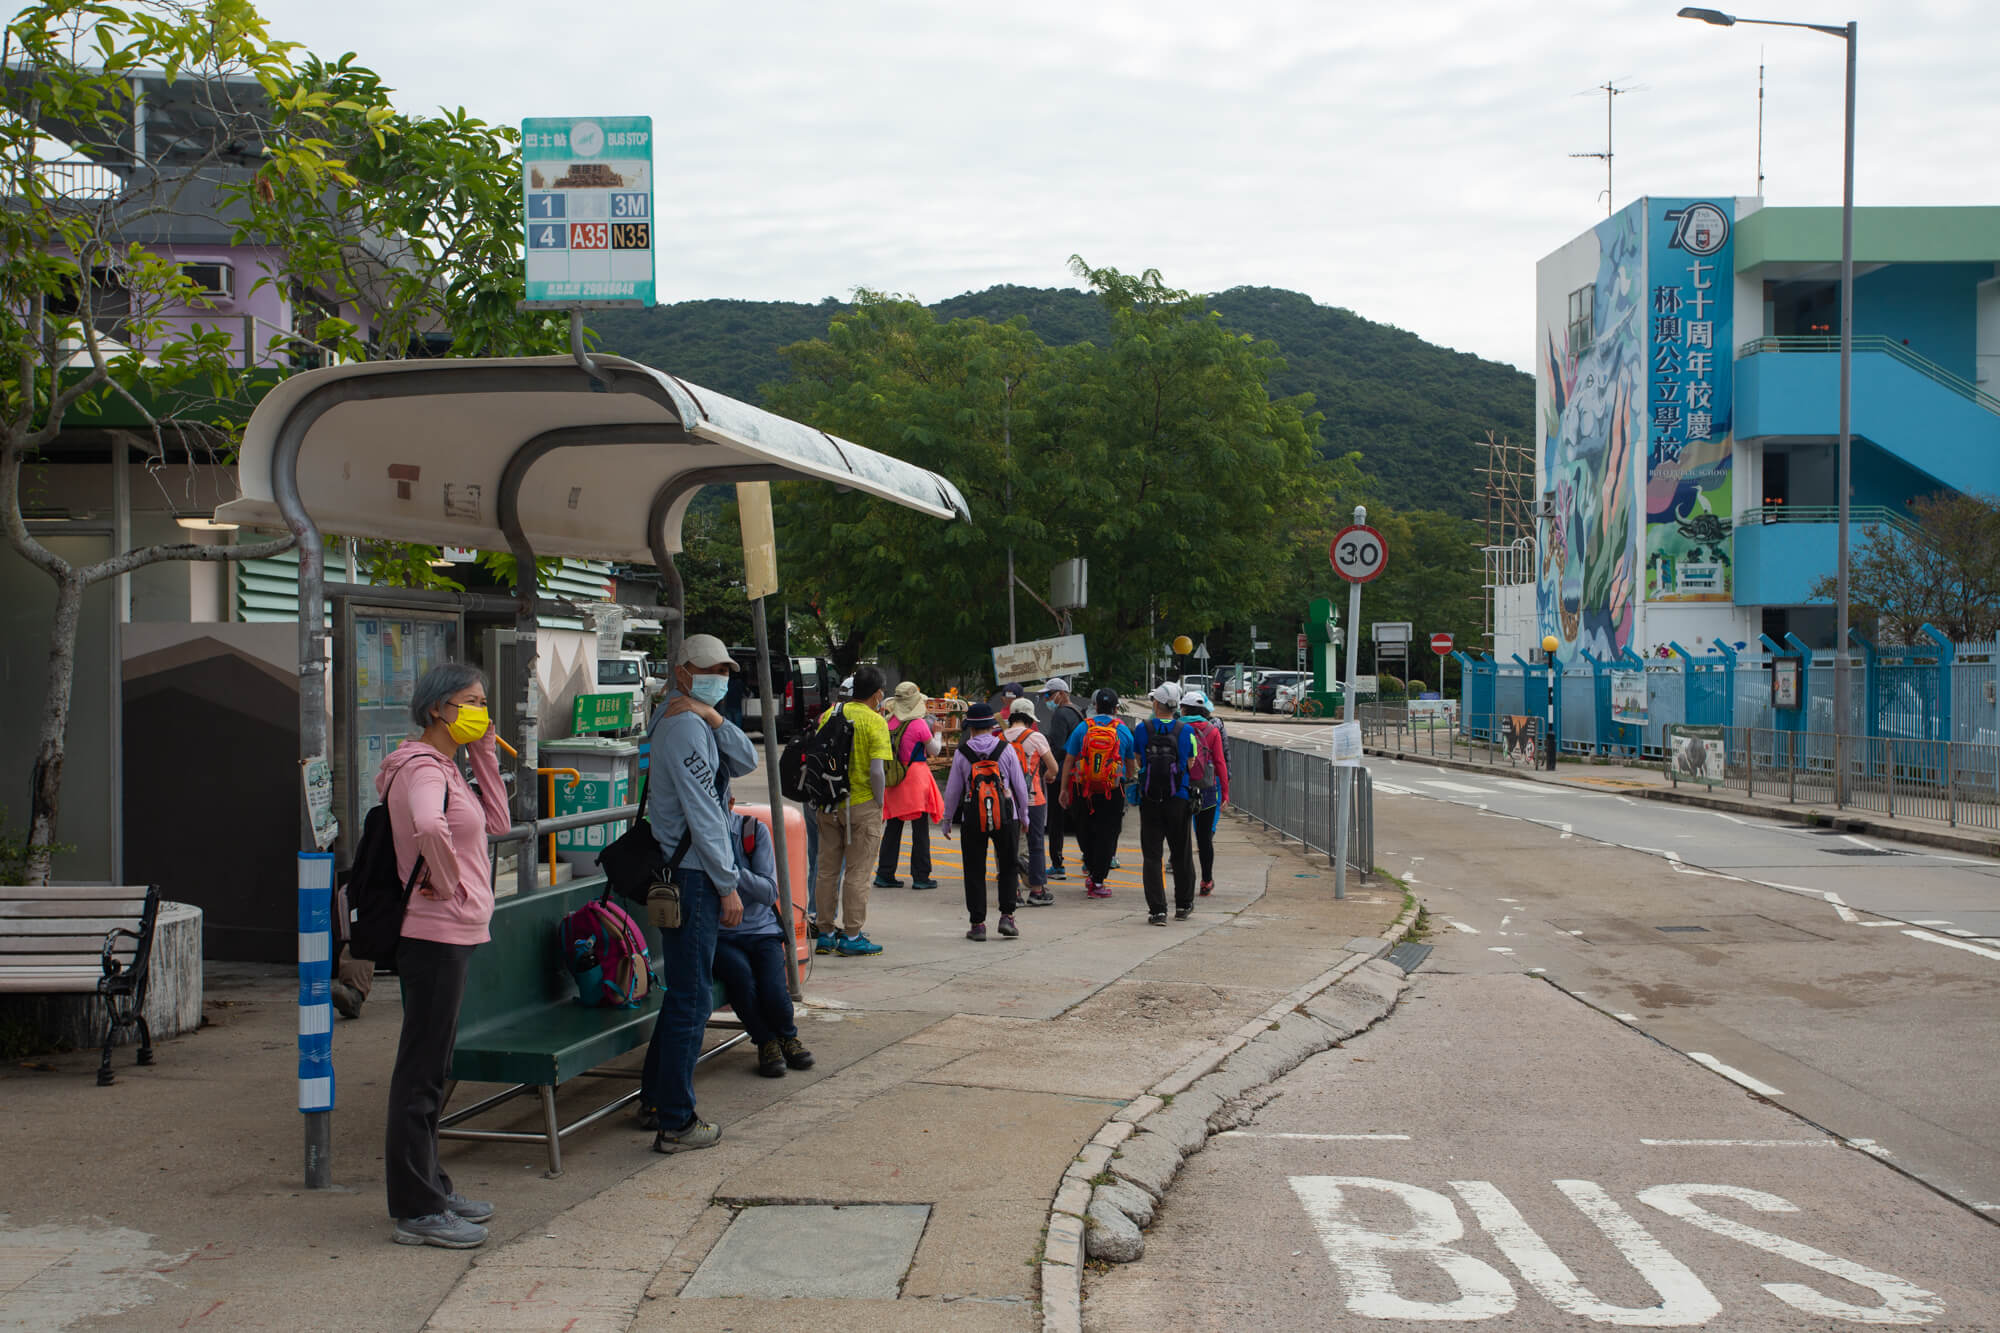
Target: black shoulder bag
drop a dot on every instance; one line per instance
(634, 863)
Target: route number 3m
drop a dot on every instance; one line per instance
(1369, 1256)
(1359, 554)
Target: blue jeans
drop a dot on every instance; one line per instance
(751, 969)
(687, 997)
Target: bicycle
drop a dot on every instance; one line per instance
(1306, 706)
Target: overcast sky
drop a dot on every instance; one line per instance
(1407, 161)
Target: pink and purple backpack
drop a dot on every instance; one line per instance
(606, 955)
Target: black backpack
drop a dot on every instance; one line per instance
(814, 768)
(1164, 760)
(377, 896)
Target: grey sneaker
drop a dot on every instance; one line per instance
(446, 1230)
(697, 1134)
(472, 1210)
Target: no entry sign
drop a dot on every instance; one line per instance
(1441, 644)
(1359, 553)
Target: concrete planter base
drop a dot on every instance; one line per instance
(173, 996)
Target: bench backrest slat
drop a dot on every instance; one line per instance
(129, 908)
(66, 925)
(20, 946)
(45, 928)
(52, 893)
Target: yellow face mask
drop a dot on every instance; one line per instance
(470, 724)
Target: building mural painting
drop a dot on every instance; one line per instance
(1689, 323)
(1592, 401)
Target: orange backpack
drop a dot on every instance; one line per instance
(991, 805)
(1099, 763)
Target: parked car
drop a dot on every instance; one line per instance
(803, 685)
(625, 673)
(1268, 685)
(1194, 683)
(1243, 688)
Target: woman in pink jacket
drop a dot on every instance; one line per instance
(440, 821)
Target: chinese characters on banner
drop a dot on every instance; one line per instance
(1691, 284)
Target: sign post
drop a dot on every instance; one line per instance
(1358, 555)
(1441, 644)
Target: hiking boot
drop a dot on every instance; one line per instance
(697, 1133)
(826, 943)
(923, 884)
(1207, 887)
(771, 1059)
(476, 1211)
(1008, 928)
(1040, 898)
(1097, 890)
(1183, 913)
(887, 882)
(852, 946)
(446, 1230)
(347, 1000)
(796, 1054)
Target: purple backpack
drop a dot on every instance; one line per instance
(606, 955)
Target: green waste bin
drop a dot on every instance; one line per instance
(606, 768)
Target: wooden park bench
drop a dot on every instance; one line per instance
(83, 939)
(520, 1024)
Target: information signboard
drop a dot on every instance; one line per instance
(600, 712)
(587, 210)
(1629, 702)
(1018, 663)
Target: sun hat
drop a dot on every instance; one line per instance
(907, 703)
(978, 717)
(705, 650)
(1022, 708)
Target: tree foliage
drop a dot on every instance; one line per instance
(1946, 573)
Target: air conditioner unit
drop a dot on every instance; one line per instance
(216, 281)
(1545, 508)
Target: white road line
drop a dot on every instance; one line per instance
(1929, 938)
(1962, 934)
(1846, 912)
(1626, 1018)
(1459, 787)
(1314, 1138)
(1624, 800)
(1388, 789)
(1515, 901)
(1506, 920)
(1537, 788)
(1860, 842)
(1930, 923)
(1731, 818)
(1738, 1143)
(1460, 925)
(1734, 1075)
(1498, 948)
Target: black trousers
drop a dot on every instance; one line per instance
(892, 847)
(433, 977)
(1006, 867)
(1166, 822)
(1058, 821)
(1099, 819)
(1204, 840)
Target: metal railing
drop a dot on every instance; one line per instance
(1292, 792)
(1858, 516)
(1952, 782)
(1916, 361)
(1481, 740)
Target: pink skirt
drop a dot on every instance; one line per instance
(916, 796)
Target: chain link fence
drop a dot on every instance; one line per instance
(1294, 791)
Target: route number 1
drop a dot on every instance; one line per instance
(1359, 553)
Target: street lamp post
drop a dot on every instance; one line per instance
(1849, 33)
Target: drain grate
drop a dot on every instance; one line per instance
(1861, 851)
(1409, 957)
(1683, 930)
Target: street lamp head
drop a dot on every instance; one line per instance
(1550, 643)
(1715, 16)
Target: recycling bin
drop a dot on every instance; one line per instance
(606, 779)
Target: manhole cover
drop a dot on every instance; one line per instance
(1683, 930)
(855, 1252)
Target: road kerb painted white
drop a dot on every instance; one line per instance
(1313, 1138)
(1739, 1143)
(1735, 1075)
(1949, 942)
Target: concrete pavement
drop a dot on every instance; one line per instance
(954, 1078)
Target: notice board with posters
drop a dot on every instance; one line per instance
(1696, 754)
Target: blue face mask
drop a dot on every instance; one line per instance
(710, 690)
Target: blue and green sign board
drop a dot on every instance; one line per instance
(587, 210)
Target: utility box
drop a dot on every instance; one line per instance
(606, 769)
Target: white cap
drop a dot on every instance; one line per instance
(1195, 699)
(1057, 684)
(705, 650)
(847, 687)
(1168, 693)
(1022, 708)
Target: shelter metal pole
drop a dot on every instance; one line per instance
(763, 640)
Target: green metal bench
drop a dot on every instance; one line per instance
(521, 1026)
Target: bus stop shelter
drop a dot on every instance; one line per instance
(585, 456)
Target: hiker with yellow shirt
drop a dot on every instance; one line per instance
(850, 834)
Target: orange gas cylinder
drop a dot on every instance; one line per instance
(795, 854)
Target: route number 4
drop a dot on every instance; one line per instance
(1368, 1257)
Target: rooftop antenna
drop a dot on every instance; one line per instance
(1760, 122)
(1611, 91)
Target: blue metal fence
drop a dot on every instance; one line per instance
(1931, 691)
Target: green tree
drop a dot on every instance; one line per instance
(1944, 571)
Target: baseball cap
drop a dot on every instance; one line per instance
(1054, 685)
(1195, 699)
(705, 650)
(1022, 708)
(1168, 693)
(1106, 700)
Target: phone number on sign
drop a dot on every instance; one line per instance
(554, 290)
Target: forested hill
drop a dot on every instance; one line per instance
(1415, 412)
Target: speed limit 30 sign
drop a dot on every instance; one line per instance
(1359, 553)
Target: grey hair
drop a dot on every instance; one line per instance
(437, 686)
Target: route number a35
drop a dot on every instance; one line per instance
(1359, 554)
